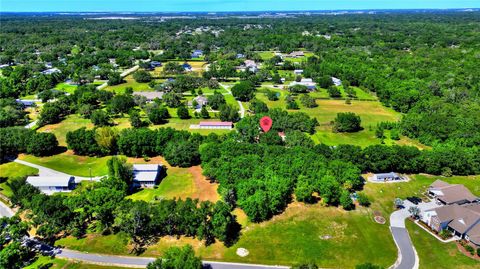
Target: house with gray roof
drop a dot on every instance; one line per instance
(448, 194)
(382, 177)
(463, 221)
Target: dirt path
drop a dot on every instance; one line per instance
(204, 189)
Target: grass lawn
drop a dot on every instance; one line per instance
(71, 164)
(179, 183)
(56, 263)
(434, 254)
(370, 112)
(129, 82)
(112, 244)
(13, 170)
(70, 123)
(66, 87)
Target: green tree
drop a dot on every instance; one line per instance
(158, 115)
(229, 113)
(135, 119)
(204, 113)
(177, 258)
(182, 112)
(14, 256)
(114, 79)
(42, 144)
(216, 100)
(243, 91)
(142, 76)
(334, 92)
(119, 168)
(106, 138)
(100, 118)
(258, 106)
(347, 122)
(346, 201)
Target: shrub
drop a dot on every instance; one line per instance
(363, 199)
(470, 249)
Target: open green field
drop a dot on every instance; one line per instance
(70, 123)
(129, 82)
(434, 254)
(71, 164)
(66, 87)
(370, 112)
(14, 170)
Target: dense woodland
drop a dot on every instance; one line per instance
(424, 65)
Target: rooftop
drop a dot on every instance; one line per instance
(146, 167)
(215, 123)
(49, 181)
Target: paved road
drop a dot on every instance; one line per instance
(407, 256)
(141, 262)
(123, 74)
(47, 172)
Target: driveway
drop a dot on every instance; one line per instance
(407, 255)
(47, 172)
(242, 109)
(141, 262)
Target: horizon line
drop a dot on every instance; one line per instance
(254, 11)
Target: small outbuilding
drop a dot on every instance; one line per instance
(146, 175)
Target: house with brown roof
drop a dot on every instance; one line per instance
(448, 194)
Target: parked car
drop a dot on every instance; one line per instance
(414, 200)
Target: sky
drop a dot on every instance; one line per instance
(225, 5)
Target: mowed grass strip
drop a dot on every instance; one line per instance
(56, 263)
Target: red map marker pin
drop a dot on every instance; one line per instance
(266, 123)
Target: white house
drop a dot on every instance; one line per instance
(387, 177)
(336, 81)
(52, 184)
(146, 175)
(298, 72)
(307, 82)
